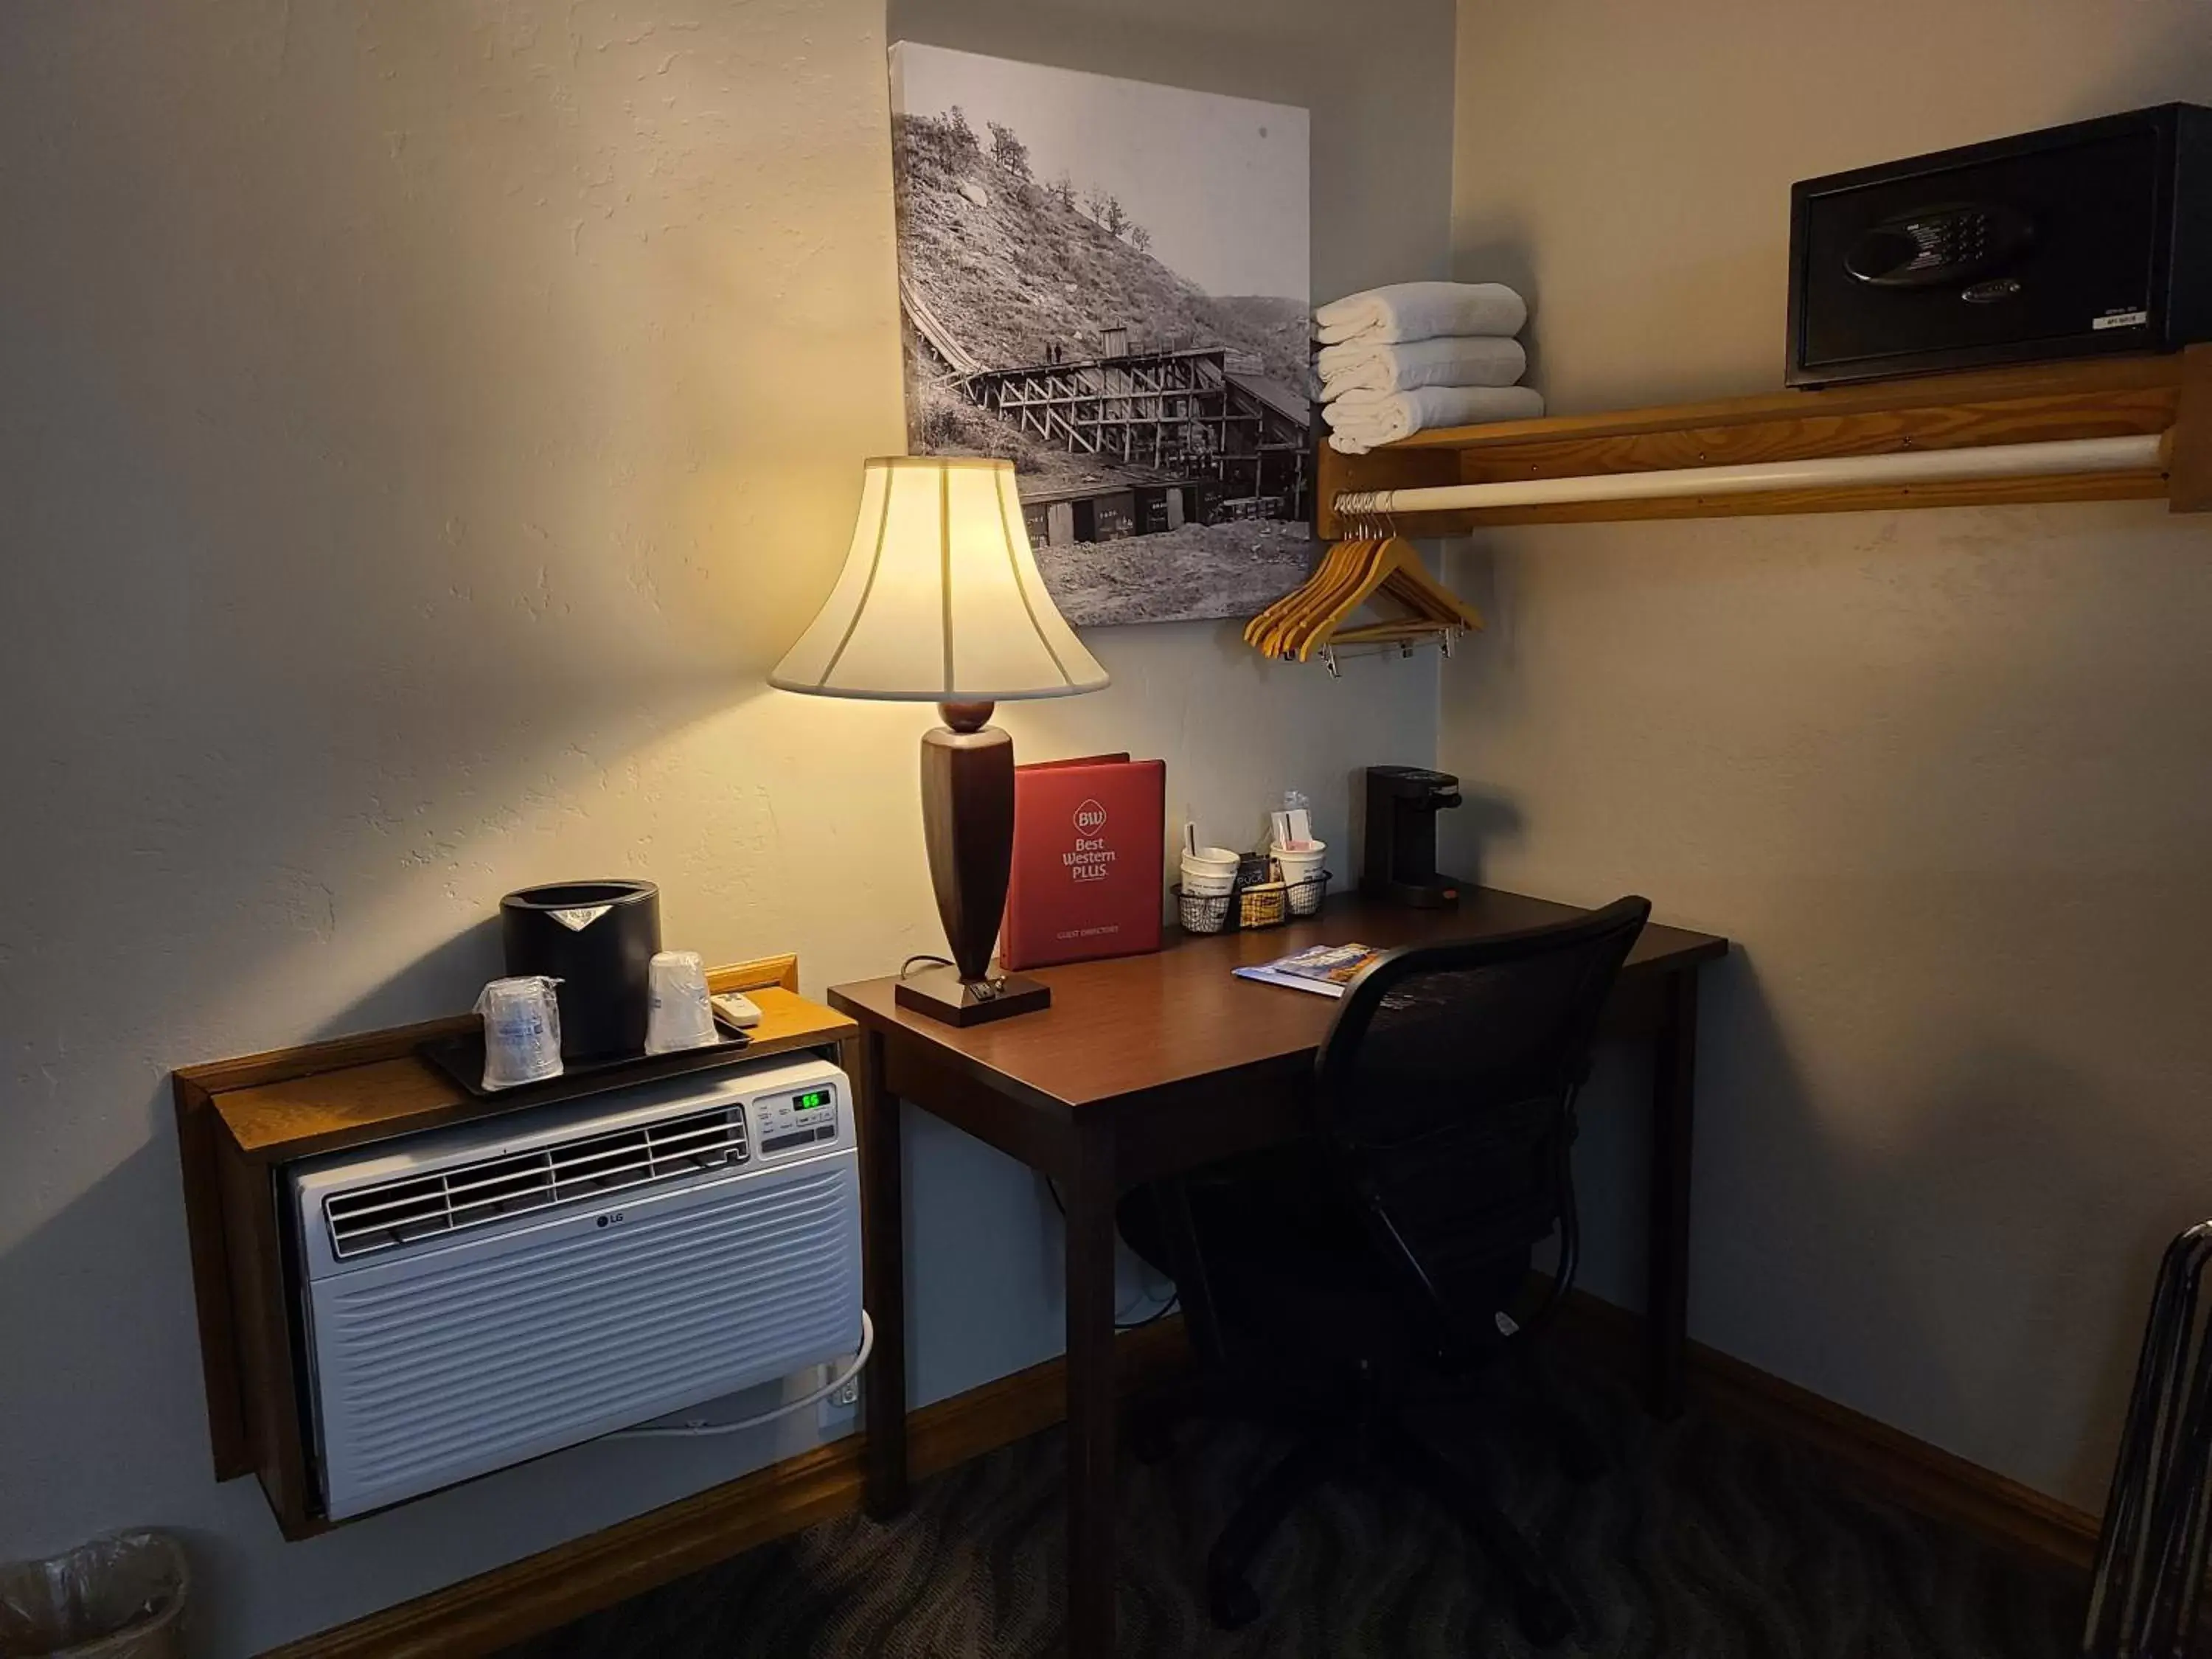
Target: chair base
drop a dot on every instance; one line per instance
(1329, 1447)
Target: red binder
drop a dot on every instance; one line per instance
(1085, 883)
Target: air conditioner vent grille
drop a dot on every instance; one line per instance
(388, 1215)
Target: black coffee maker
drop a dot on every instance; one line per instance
(1400, 867)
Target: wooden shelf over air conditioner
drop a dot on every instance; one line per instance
(240, 1122)
(2168, 398)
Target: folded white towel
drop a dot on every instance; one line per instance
(1361, 420)
(1421, 311)
(1453, 360)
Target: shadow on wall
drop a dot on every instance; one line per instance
(1860, 1310)
(1499, 248)
(1855, 1306)
(68, 1291)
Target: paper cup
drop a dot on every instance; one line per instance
(1208, 883)
(1218, 859)
(1301, 863)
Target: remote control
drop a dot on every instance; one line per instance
(738, 1011)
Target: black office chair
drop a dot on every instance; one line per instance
(1339, 1286)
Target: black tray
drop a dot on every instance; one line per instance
(461, 1058)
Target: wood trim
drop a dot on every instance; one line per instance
(398, 1041)
(756, 974)
(322, 1111)
(2085, 398)
(2189, 448)
(262, 1324)
(1908, 1472)
(228, 1441)
(494, 1609)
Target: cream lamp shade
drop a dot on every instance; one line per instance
(940, 599)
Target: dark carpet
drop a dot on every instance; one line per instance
(1701, 1540)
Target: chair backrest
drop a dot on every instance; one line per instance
(1448, 1083)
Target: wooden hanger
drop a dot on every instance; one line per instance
(1316, 598)
(1337, 570)
(1260, 630)
(1392, 567)
(1411, 585)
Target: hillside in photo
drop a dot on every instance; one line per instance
(1012, 265)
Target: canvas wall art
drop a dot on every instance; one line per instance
(1105, 281)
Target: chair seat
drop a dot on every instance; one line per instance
(1293, 1273)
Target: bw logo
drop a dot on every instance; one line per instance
(1089, 817)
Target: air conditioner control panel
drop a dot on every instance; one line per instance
(783, 1123)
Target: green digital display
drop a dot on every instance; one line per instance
(812, 1098)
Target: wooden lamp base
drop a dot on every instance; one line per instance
(941, 994)
(968, 823)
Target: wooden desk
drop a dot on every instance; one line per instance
(1148, 1066)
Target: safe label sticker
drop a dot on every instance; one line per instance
(2122, 320)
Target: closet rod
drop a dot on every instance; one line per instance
(2067, 457)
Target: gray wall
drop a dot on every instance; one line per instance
(421, 427)
(1941, 774)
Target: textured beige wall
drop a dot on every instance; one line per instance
(1941, 774)
(421, 426)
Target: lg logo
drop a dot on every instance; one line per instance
(610, 1218)
(1089, 817)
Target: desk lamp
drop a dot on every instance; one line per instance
(940, 602)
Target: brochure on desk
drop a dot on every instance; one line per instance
(1324, 969)
(1088, 841)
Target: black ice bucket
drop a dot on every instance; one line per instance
(597, 938)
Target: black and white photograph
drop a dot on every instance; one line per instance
(1106, 282)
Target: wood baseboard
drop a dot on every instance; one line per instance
(484, 1613)
(1908, 1473)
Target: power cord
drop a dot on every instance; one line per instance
(1174, 1301)
(702, 1430)
(1175, 1295)
(985, 989)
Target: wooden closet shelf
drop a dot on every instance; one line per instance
(2106, 398)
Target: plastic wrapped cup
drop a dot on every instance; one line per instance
(1300, 862)
(679, 1016)
(522, 1031)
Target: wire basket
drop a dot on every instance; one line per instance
(1249, 905)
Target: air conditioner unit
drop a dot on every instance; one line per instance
(477, 1296)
